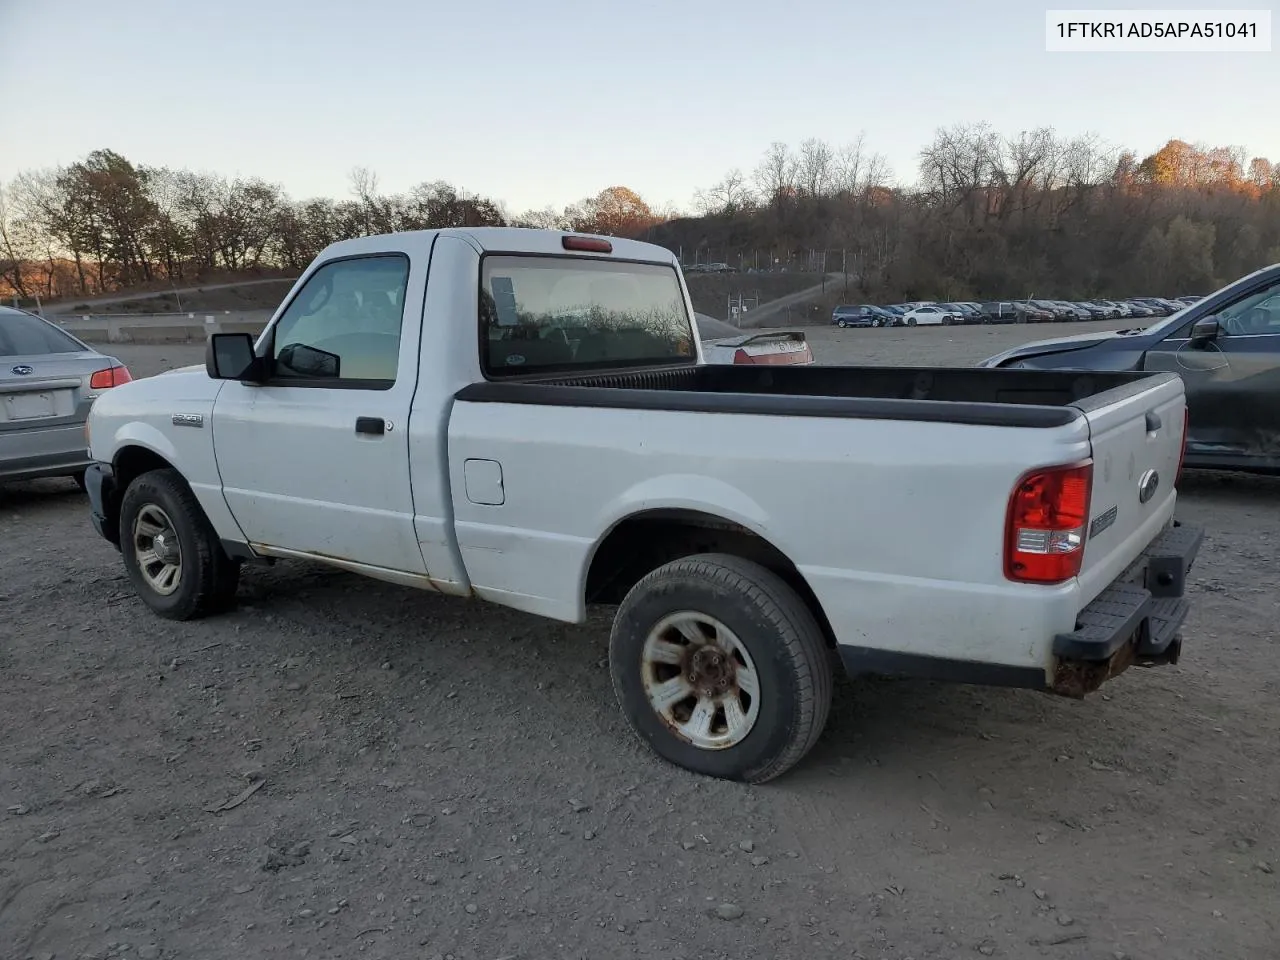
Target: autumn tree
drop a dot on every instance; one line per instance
(614, 211)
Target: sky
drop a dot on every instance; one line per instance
(543, 103)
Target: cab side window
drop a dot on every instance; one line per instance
(344, 326)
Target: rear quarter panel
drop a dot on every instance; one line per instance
(897, 526)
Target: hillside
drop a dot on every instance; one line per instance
(253, 294)
(710, 294)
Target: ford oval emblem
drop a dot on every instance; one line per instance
(24, 370)
(1148, 486)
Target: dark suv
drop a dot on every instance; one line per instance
(861, 315)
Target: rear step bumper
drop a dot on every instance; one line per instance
(1136, 620)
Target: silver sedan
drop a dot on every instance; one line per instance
(48, 382)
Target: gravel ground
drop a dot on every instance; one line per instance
(437, 778)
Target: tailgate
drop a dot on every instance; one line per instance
(1136, 435)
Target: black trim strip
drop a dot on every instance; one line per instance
(860, 661)
(1143, 380)
(770, 405)
(237, 549)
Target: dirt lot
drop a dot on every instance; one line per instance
(447, 779)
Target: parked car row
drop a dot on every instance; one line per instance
(925, 312)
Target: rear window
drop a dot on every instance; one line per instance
(543, 314)
(22, 335)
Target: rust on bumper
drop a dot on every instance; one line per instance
(1135, 621)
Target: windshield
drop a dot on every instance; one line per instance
(22, 335)
(540, 314)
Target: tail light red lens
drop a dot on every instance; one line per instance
(1047, 519)
(111, 377)
(586, 244)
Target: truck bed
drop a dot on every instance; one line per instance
(985, 396)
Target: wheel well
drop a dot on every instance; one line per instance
(133, 462)
(646, 541)
(130, 463)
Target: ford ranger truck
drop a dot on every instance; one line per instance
(525, 417)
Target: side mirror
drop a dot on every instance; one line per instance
(1205, 330)
(230, 356)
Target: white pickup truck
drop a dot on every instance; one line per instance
(525, 417)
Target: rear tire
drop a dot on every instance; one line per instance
(171, 553)
(762, 682)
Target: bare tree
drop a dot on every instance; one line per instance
(816, 168)
(545, 219)
(775, 176)
(857, 170)
(15, 254)
(728, 196)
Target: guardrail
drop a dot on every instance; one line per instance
(159, 327)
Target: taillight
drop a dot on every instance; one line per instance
(1045, 528)
(586, 244)
(111, 377)
(1182, 454)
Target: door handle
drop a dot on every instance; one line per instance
(375, 426)
(1154, 423)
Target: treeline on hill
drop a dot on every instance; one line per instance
(994, 216)
(989, 216)
(104, 224)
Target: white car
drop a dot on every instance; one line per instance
(930, 313)
(526, 417)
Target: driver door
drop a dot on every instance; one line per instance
(1232, 379)
(315, 461)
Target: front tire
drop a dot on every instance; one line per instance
(171, 552)
(720, 668)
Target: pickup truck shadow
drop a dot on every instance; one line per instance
(402, 653)
(20, 494)
(1230, 487)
